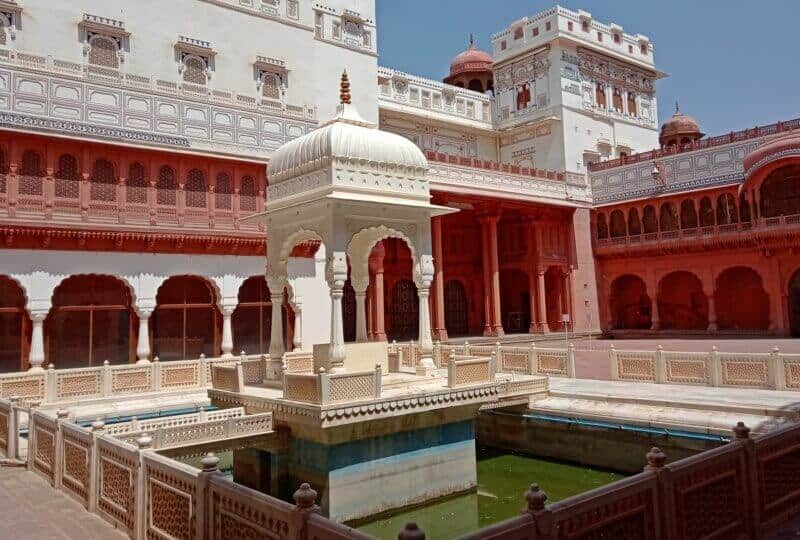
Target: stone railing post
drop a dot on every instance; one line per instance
(305, 504)
(714, 367)
(493, 368)
(535, 505)
(155, 382)
(451, 371)
(660, 365)
(12, 437)
(655, 459)
(571, 361)
(203, 375)
(612, 360)
(97, 427)
(50, 388)
(741, 438)
(466, 348)
(777, 372)
(533, 359)
(498, 350)
(411, 532)
(323, 382)
(62, 415)
(437, 353)
(210, 466)
(378, 376)
(105, 378)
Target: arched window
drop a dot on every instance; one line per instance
(780, 192)
(222, 197)
(649, 221)
(631, 307)
(252, 319)
(271, 86)
(186, 320)
(194, 70)
(136, 191)
(668, 217)
(90, 322)
(30, 173)
(3, 170)
(726, 209)
(247, 194)
(617, 100)
(617, 228)
(404, 321)
(103, 51)
(602, 226)
(744, 209)
(634, 225)
(600, 95)
(688, 215)
(706, 213)
(14, 326)
(66, 178)
(632, 110)
(103, 186)
(196, 189)
(166, 186)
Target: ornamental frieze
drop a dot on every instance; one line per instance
(600, 68)
(522, 71)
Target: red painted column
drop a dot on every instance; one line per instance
(497, 326)
(532, 286)
(543, 302)
(376, 263)
(487, 280)
(439, 326)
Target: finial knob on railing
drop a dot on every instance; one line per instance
(344, 89)
(98, 424)
(144, 442)
(655, 459)
(741, 432)
(535, 498)
(411, 532)
(305, 497)
(210, 462)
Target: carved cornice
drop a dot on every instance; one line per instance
(602, 68)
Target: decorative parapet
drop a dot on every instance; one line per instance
(404, 90)
(469, 370)
(71, 385)
(324, 388)
(109, 104)
(709, 162)
(203, 432)
(458, 173)
(773, 370)
(298, 362)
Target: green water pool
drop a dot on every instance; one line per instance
(502, 480)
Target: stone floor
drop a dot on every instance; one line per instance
(34, 510)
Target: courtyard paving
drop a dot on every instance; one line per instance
(34, 510)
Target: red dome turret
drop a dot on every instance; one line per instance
(680, 129)
(471, 69)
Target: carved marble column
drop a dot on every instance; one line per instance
(276, 347)
(337, 272)
(143, 342)
(440, 326)
(227, 331)
(567, 296)
(426, 366)
(36, 356)
(297, 305)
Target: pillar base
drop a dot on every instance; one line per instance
(36, 369)
(426, 367)
(141, 361)
(441, 334)
(534, 328)
(712, 328)
(487, 331)
(498, 331)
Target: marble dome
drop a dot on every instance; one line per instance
(346, 137)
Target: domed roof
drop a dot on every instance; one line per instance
(346, 137)
(680, 125)
(472, 59)
(779, 148)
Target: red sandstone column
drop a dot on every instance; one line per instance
(542, 303)
(567, 296)
(532, 285)
(379, 330)
(487, 280)
(497, 324)
(439, 326)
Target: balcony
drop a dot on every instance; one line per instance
(775, 231)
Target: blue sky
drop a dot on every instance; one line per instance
(731, 64)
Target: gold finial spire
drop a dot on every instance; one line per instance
(471, 41)
(677, 107)
(344, 89)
